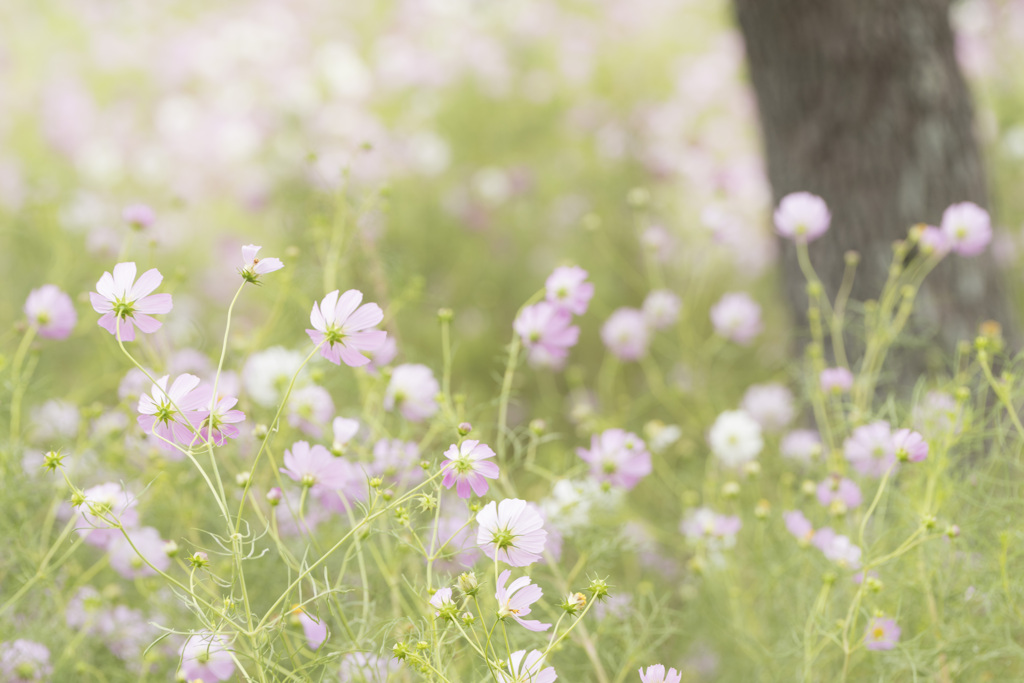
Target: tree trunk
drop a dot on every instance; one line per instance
(863, 103)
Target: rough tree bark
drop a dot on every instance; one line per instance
(863, 103)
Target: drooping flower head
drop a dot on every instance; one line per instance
(547, 333)
(617, 457)
(253, 266)
(467, 467)
(512, 530)
(205, 656)
(870, 449)
(657, 674)
(174, 414)
(933, 240)
(909, 445)
(661, 309)
(968, 228)
(802, 217)
(315, 466)
(881, 634)
(527, 668)
(442, 601)
(568, 289)
(413, 390)
(515, 600)
(737, 317)
(342, 327)
(51, 312)
(126, 304)
(735, 438)
(625, 334)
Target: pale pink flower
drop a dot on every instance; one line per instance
(870, 449)
(381, 356)
(397, 462)
(837, 548)
(126, 304)
(147, 542)
(527, 668)
(466, 466)
(835, 488)
(315, 466)
(206, 657)
(458, 549)
(309, 409)
(25, 661)
(706, 524)
(661, 309)
(657, 674)
(626, 335)
(51, 312)
(968, 228)
(342, 327)
(568, 289)
(138, 215)
(343, 430)
(105, 502)
(798, 525)
(835, 380)
(881, 634)
(314, 629)
(910, 445)
(219, 425)
(512, 530)
(802, 445)
(515, 600)
(360, 666)
(771, 405)
(933, 240)
(253, 266)
(413, 390)
(802, 217)
(547, 334)
(617, 457)
(442, 599)
(737, 317)
(174, 414)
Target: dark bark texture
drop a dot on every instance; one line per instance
(863, 103)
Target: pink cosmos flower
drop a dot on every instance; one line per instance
(870, 449)
(802, 217)
(343, 430)
(625, 334)
(342, 326)
(382, 356)
(527, 668)
(315, 466)
(705, 524)
(547, 333)
(835, 488)
(657, 674)
(206, 657)
(568, 289)
(910, 445)
(798, 525)
(309, 409)
(105, 502)
(968, 228)
(837, 548)
(661, 309)
(512, 530)
(25, 661)
(413, 390)
(803, 445)
(253, 266)
(617, 457)
(737, 317)
(315, 630)
(771, 405)
(881, 634)
(174, 414)
(515, 600)
(836, 380)
(933, 240)
(442, 599)
(138, 215)
(51, 312)
(467, 467)
(149, 543)
(219, 425)
(125, 303)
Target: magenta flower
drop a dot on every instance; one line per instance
(315, 466)
(657, 674)
(126, 304)
(547, 333)
(527, 668)
(803, 445)
(910, 445)
(174, 414)
(512, 531)
(51, 312)
(25, 661)
(661, 309)
(737, 317)
(798, 525)
(515, 600)
(413, 390)
(617, 457)
(138, 216)
(206, 657)
(568, 289)
(837, 489)
(342, 328)
(315, 630)
(626, 335)
(968, 228)
(253, 266)
(881, 634)
(870, 449)
(467, 467)
(771, 405)
(836, 380)
(802, 217)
